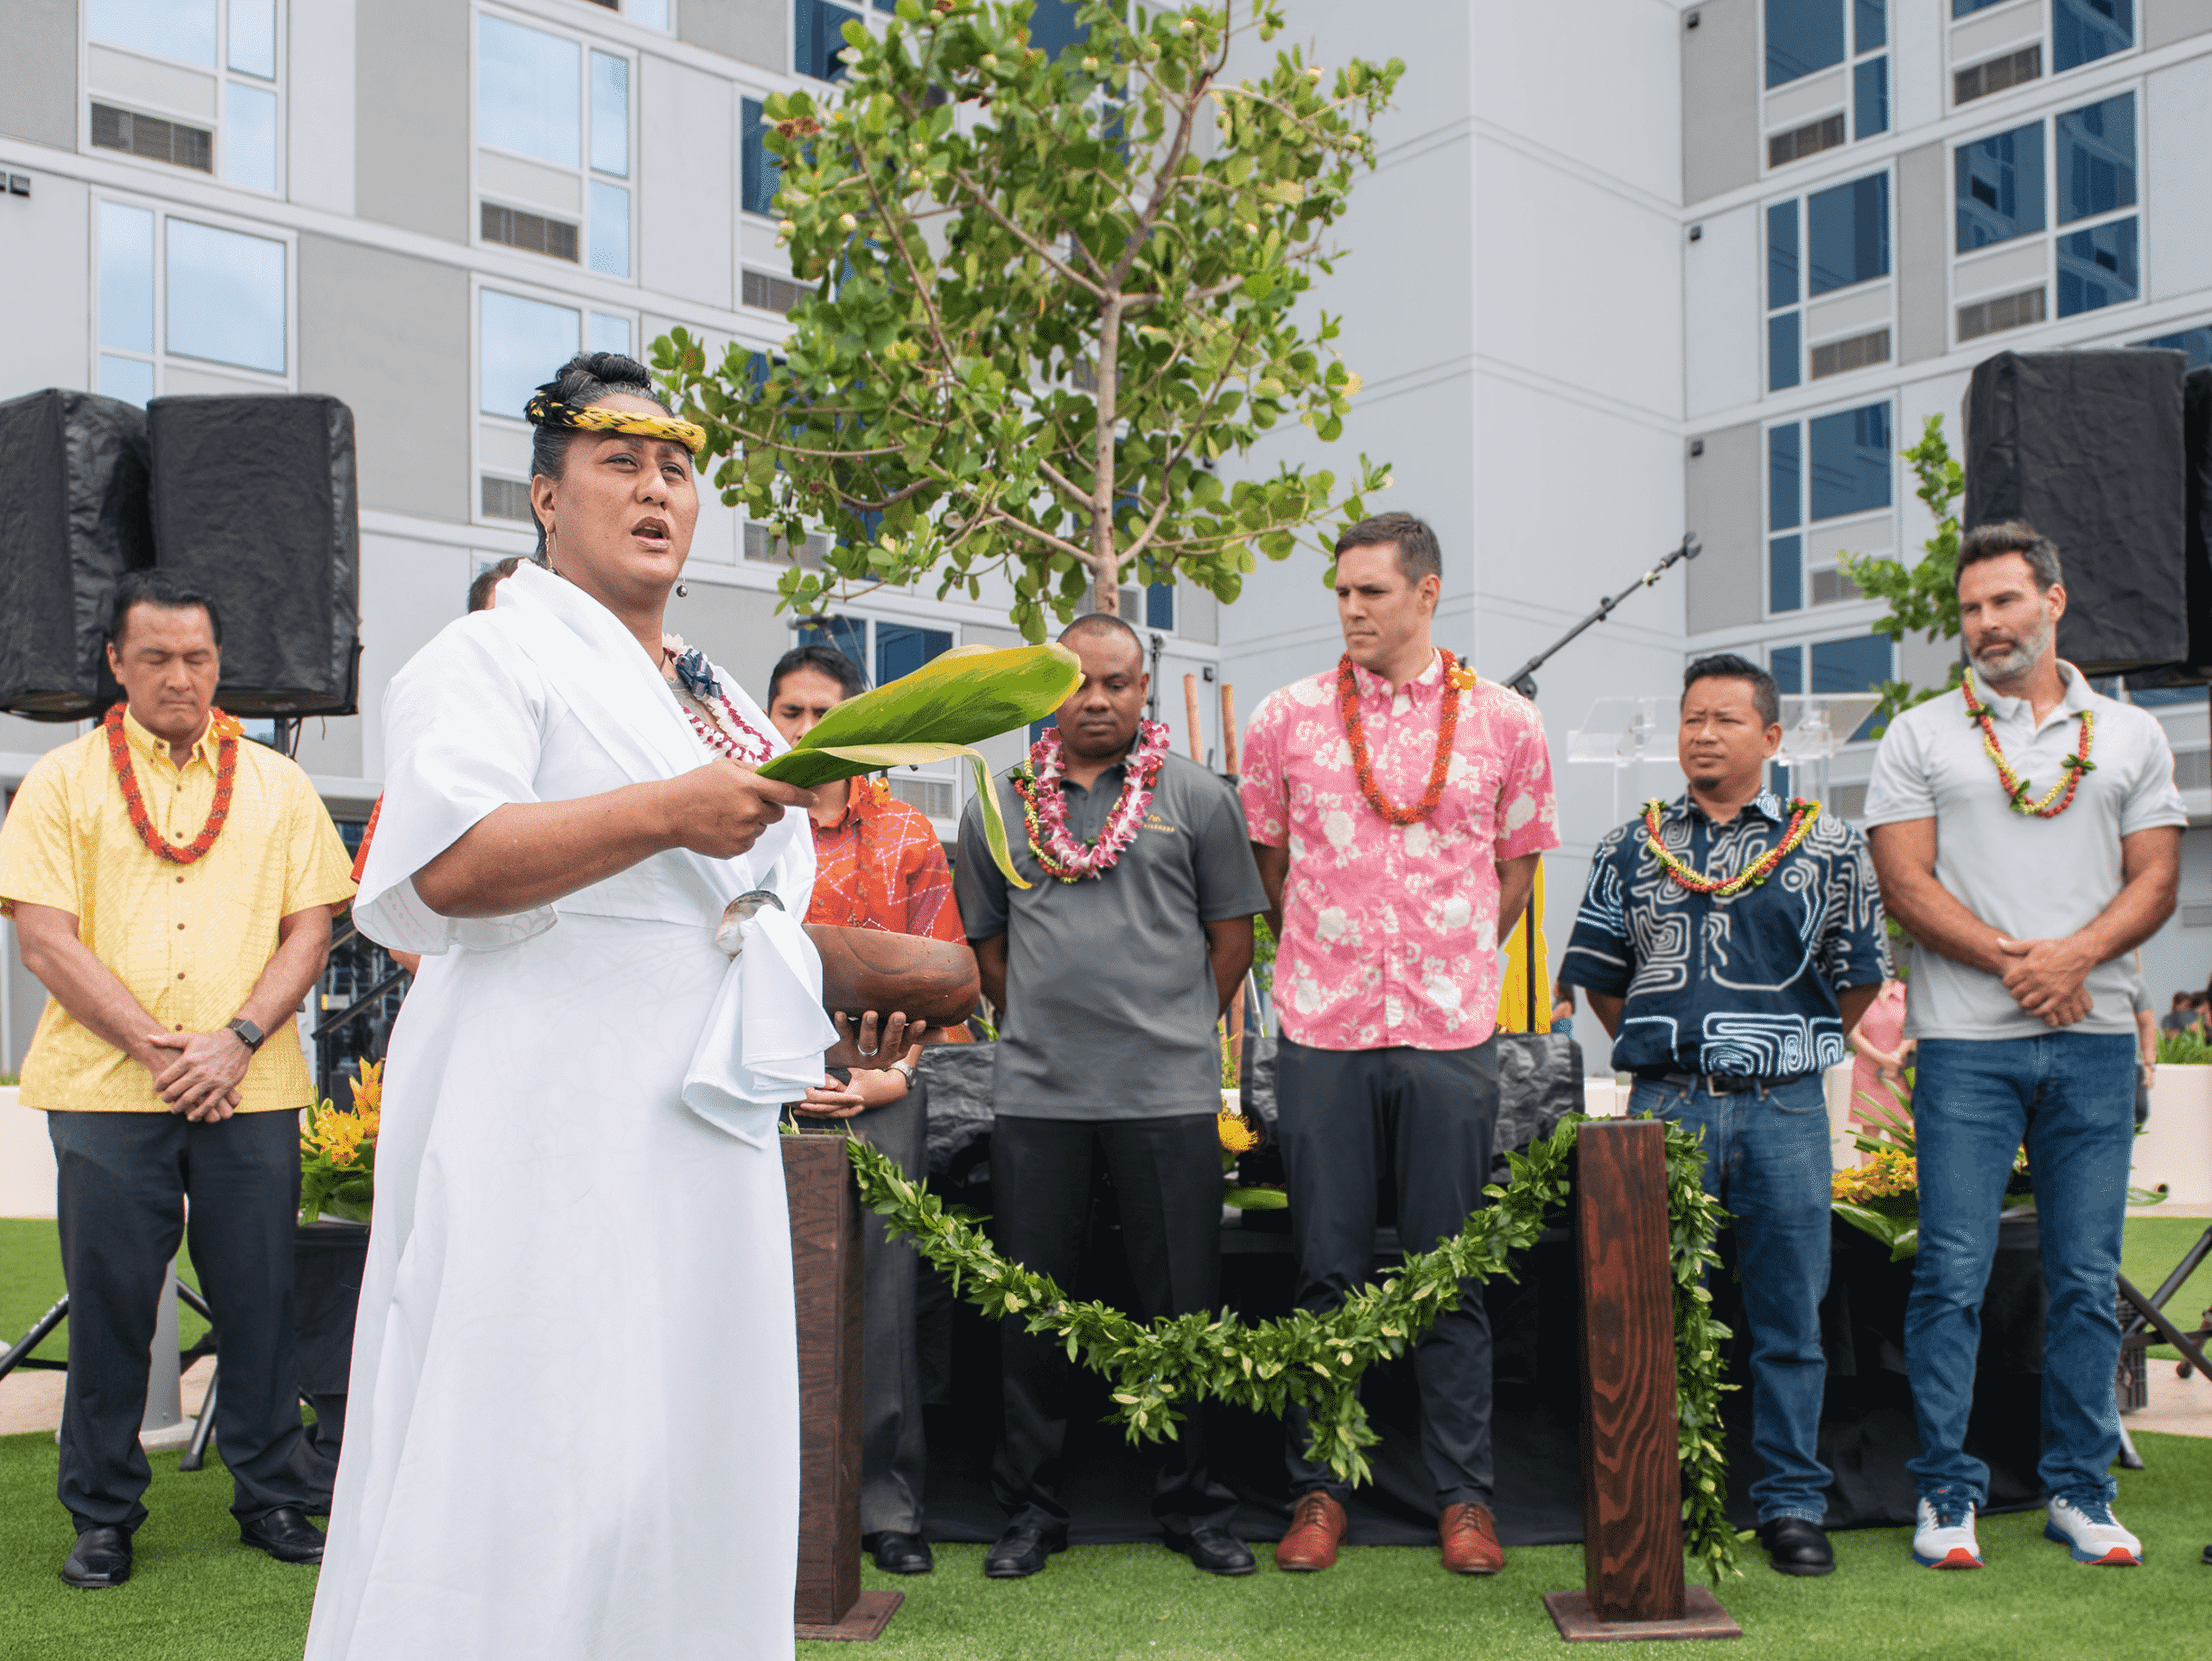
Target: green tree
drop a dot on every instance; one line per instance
(1923, 597)
(1051, 294)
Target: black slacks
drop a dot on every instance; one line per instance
(1166, 1177)
(892, 1454)
(124, 1178)
(1426, 1117)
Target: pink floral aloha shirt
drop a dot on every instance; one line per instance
(1391, 933)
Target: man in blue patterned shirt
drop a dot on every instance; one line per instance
(1726, 1006)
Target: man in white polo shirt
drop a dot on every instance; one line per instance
(2027, 835)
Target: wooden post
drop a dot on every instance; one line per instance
(1190, 713)
(825, 1212)
(1632, 1465)
(1229, 729)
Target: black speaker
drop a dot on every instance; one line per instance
(2088, 447)
(2197, 497)
(254, 505)
(72, 520)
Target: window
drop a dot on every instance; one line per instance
(1829, 485)
(1845, 233)
(2197, 343)
(175, 288)
(1807, 38)
(2095, 252)
(1159, 606)
(817, 36)
(188, 120)
(2081, 31)
(521, 343)
(1857, 662)
(759, 172)
(553, 129)
(2011, 69)
(848, 634)
(901, 649)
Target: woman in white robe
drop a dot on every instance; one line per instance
(572, 1430)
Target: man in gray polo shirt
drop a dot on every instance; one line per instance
(1109, 972)
(2024, 883)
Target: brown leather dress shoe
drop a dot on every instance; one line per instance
(1469, 1535)
(1316, 1528)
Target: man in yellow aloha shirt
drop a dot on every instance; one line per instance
(173, 886)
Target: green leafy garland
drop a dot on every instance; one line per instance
(1316, 1361)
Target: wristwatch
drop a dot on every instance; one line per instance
(249, 1035)
(906, 1068)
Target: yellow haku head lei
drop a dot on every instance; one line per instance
(544, 410)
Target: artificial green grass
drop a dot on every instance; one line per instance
(30, 1280)
(2155, 1244)
(197, 1595)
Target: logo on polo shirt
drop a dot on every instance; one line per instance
(1153, 822)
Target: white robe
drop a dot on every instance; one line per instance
(572, 1428)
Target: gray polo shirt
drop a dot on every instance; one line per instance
(2034, 879)
(1110, 999)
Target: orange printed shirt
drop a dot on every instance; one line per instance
(881, 866)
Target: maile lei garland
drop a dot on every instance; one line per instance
(1802, 815)
(1045, 808)
(1162, 1369)
(227, 732)
(2060, 796)
(1456, 681)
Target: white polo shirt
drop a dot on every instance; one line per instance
(2032, 878)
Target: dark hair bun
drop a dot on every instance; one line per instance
(591, 376)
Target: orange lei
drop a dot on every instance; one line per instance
(1456, 680)
(226, 768)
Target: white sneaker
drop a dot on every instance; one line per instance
(2089, 1532)
(1944, 1539)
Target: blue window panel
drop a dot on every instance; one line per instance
(1159, 606)
(1962, 7)
(170, 28)
(2099, 267)
(2081, 31)
(1850, 462)
(1037, 727)
(1781, 254)
(130, 379)
(1853, 665)
(1785, 574)
(1870, 98)
(1870, 24)
(227, 296)
(1781, 354)
(249, 137)
(646, 13)
(610, 114)
(848, 634)
(1053, 26)
(1848, 234)
(817, 36)
(2000, 188)
(126, 278)
(2165, 697)
(526, 92)
(901, 649)
(1801, 37)
(253, 36)
(608, 333)
(522, 343)
(2197, 343)
(760, 172)
(2095, 165)
(1784, 476)
(610, 229)
(1787, 665)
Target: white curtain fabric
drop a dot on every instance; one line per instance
(572, 1429)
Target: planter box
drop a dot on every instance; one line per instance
(2175, 1146)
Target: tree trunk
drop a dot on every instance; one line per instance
(1105, 591)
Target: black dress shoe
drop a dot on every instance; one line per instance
(900, 1554)
(1794, 1546)
(1021, 1550)
(1216, 1551)
(100, 1558)
(286, 1535)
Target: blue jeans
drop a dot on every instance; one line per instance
(1767, 1160)
(2071, 1098)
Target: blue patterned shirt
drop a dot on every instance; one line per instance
(1746, 985)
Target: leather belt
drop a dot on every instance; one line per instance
(1715, 1084)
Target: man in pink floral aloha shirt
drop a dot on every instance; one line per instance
(1386, 982)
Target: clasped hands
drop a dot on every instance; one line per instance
(203, 1082)
(2045, 978)
(869, 1053)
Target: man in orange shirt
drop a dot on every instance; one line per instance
(172, 885)
(878, 864)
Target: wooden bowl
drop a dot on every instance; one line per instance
(932, 982)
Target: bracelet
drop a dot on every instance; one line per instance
(906, 1069)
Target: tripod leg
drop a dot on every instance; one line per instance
(31, 1339)
(2129, 1458)
(196, 1455)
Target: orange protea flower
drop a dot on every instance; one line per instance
(1236, 1135)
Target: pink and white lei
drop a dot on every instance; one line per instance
(1045, 808)
(730, 733)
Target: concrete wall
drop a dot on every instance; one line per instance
(757, 32)
(1719, 82)
(1923, 242)
(411, 108)
(48, 298)
(320, 143)
(38, 72)
(1725, 584)
(2166, 22)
